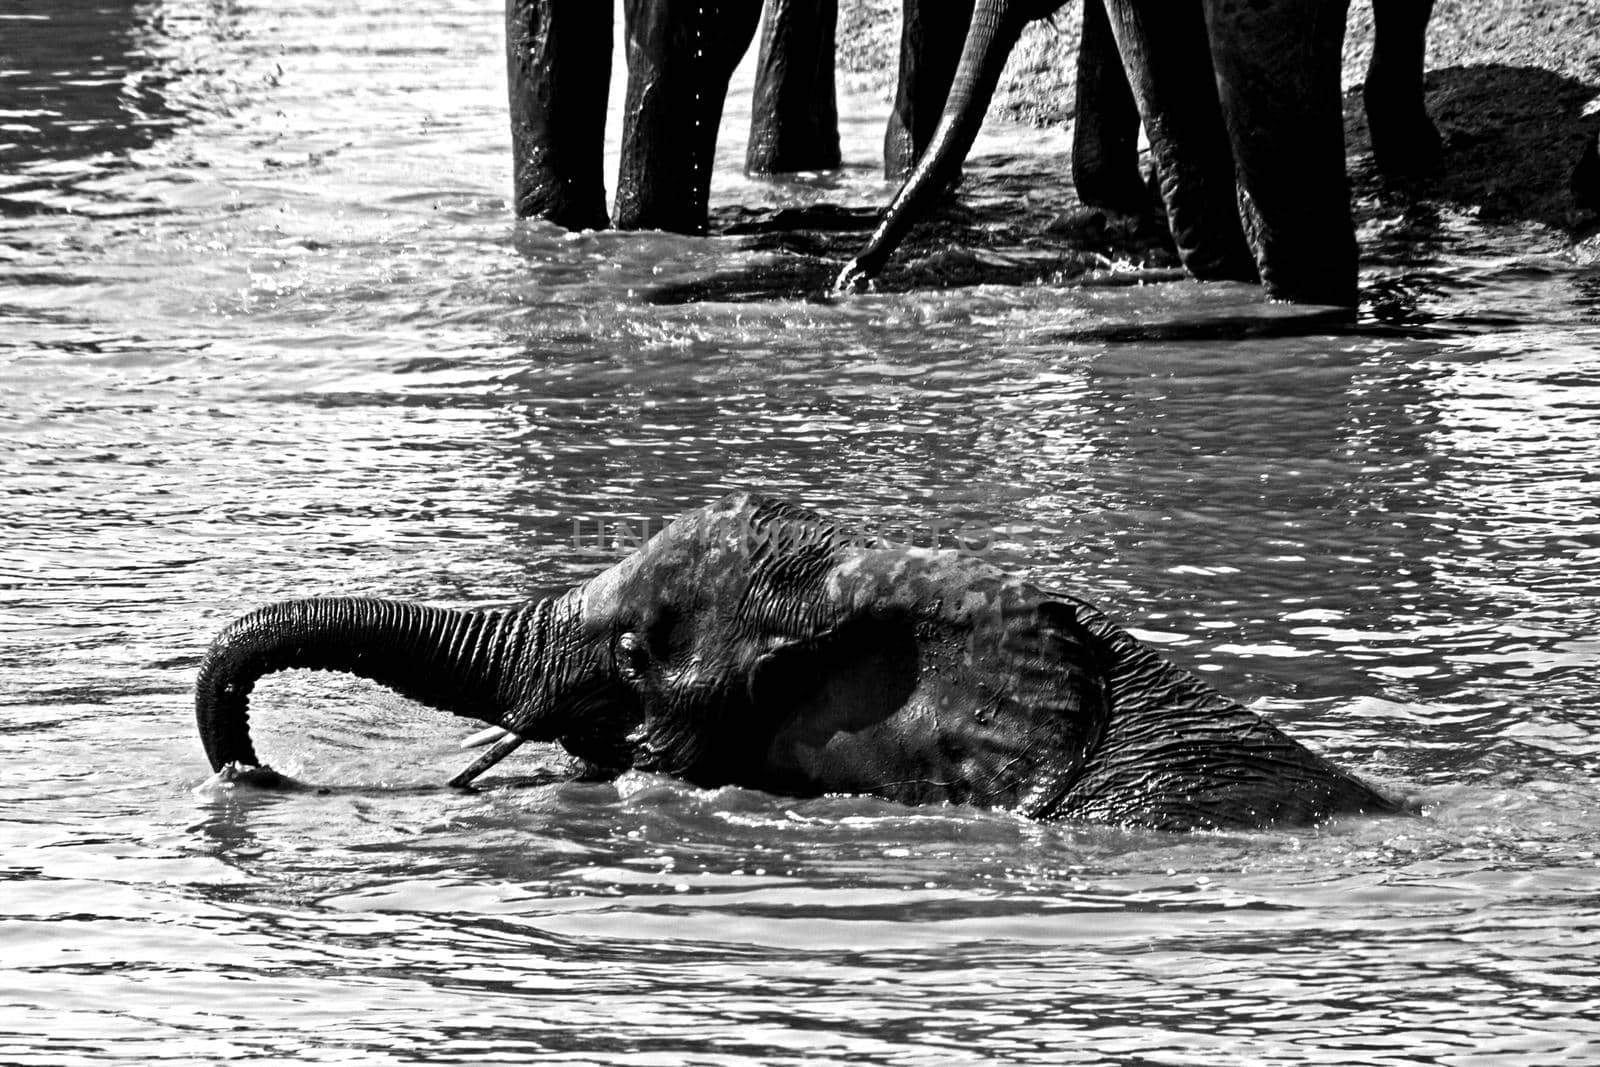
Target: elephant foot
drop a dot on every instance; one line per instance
(1119, 189)
(1211, 243)
(234, 774)
(856, 277)
(1142, 237)
(793, 155)
(1085, 226)
(1586, 175)
(586, 213)
(673, 217)
(1330, 287)
(1105, 166)
(1405, 142)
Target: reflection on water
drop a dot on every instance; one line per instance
(88, 84)
(266, 330)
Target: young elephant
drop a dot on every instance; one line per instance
(755, 643)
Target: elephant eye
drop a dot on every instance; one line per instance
(633, 655)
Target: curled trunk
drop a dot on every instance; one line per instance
(465, 662)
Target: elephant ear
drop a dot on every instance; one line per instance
(852, 676)
(826, 660)
(913, 674)
(968, 690)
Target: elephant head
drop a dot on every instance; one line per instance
(676, 659)
(754, 643)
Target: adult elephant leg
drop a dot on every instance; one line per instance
(1162, 44)
(1277, 75)
(932, 34)
(681, 54)
(794, 115)
(1105, 126)
(1405, 142)
(558, 67)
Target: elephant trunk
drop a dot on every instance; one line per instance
(472, 663)
(996, 27)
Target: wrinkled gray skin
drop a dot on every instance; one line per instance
(753, 643)
(1241, 104)
(680, 55)
(794, 112)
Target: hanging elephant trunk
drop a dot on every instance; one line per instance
(996, 27)
(457, 661)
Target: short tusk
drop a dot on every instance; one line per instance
(502, 748)
(482, 737)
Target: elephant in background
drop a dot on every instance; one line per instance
(757, 644)
(1105, 147)
(794, 113)
(932, 33)
(680, 56)
(1246, 131)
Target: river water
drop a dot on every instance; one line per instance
(267, 330)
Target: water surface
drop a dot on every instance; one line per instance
(267, 330)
